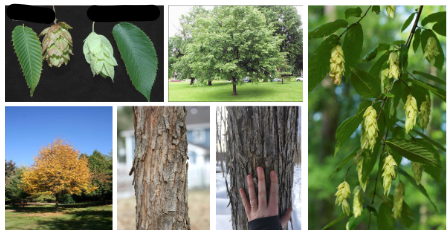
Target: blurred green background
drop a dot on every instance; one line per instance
(330, 105)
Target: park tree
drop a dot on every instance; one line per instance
(234, 42)
(160, 169)
(13, 189)
(266, 137)
(101, 167)
(58, 170)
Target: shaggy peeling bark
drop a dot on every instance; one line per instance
(265, 137)
(160, 168)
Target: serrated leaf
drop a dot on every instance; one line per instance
(138, 53)
(439, 59)
(376, 9)
(439, 146)
(435, 17)
(365, 84)
(386, 221)
(319, 64)
(406, 215)
(335, 221)
(439, 28)
(352, 47)
(353, 12)
(417, 39)
(344, 161)
(419, 187)
(434, 172)
(403, 57)
(369, 160)
(430, 77)
(434, 89)
(29, 52)
(407, 22)
(377, 67)
(413, 151)
(348, 126)
(327, 29)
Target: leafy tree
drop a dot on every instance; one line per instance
(384, 141)
(13, 191)
(101, 167)
(58, 170)
(10, 167)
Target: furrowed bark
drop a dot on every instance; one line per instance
(160, 168)
(265, 137)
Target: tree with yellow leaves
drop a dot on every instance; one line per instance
(59, 169)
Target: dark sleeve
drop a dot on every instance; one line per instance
(266, 223)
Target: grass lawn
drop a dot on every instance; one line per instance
(221, 91)
(76, 216)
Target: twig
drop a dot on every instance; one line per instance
(355, 23)
(369, 222)
(355, 162)
(414, 26)
(55, 19)
(378, 170)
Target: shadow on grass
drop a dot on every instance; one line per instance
(32, 208)
(95, 219)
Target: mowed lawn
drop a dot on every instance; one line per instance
(76, 217)
(221, 91)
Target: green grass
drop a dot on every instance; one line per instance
(76, 217)
(221, 91)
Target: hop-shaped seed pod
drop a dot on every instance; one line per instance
(431, 50)
(384, 80)
(417, 171)
(388, 173)
(343, 193)
(337, 64)
(398, 199)
(57, 44)
(369, 127)
(99, 54)
(359, 171)
(358, 202)
(411, 113)
(393, 61)
(390, 11)
(424, 113)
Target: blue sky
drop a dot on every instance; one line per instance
(30, 128)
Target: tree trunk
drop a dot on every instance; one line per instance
(160, 168)
(234, 86)
(282, 80)
(265, 137)
(192, 81)
(57, 203)
(209, 82)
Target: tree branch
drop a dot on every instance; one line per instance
(355, 23)
(415, 25)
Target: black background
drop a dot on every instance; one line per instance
(74, 82)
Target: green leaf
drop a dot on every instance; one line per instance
(419, 187)
(352, 222)
(439, 28)
(353, 12)
(407, 22)
(403, 57)
(348, 127)
(398, 42)
(406, 215)
(377, 67)
(434, 89)
(439, 60)
(385, 219)
(138, 53)
(435, 17)
(369, 160)
(319, 64)
(430, 77)
(376, 9)
(372, 209)
(365, 84)
(344, 161)
(434, 172)
(352, 47)
(413, 151)
(417, 39)
(342, 216)
(29, 52)
(390, 95)
(439, 146)
(327, 29)
(370, 56)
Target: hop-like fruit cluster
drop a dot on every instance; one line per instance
(337, 64)
(369, 128)
(99, 54)
(390, 11)
(417, 171)
(393, 61)
(431, 50)
(424, 113)
(388, 173)
(384, 80)
(358, 202)
(411, 113)
(398, 199)
(359, 171)
(57, 45)
(343, 193)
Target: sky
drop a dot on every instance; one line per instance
(176, 11)
(27, 129)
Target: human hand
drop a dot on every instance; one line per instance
(258, 207)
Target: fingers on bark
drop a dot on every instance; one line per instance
(262, 199)
(273, 197)
(285, 218)
(245, 202)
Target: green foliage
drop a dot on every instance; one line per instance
(407, 22)
(385, 216)
(327, 29)
(352, 47)
(139, 56)
(101, 166)
(67, 199)
(353, 12)
(29, 52)
(13, 190)
(366, 85)
(439, 59)
(318, 64)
